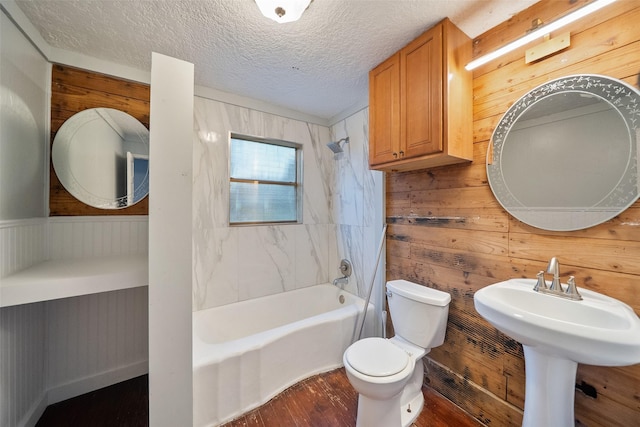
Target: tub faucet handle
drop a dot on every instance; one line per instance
(345, 267)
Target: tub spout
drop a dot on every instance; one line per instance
(341, 281)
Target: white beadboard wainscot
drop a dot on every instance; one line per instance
(23, 393)
(98, 236)
(23, 243)
(95, 340)
(85, 255)
(56, 349)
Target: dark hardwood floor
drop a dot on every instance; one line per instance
(125, 404)
(328, 400)
(323, 400)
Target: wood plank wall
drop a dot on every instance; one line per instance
(447, 231)
(74, 90)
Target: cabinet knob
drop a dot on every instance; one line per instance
(401, 153)
(395, 155)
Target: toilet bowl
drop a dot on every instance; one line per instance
(388, 373)
(382, 381)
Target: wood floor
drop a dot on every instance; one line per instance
(125, 404)
(325, 400)
(328, 400)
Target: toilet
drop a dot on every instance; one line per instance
(388, 373)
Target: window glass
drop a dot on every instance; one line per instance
(261, 161)
(264, 181)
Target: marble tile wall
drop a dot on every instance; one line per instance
(342, 200)
(357, 208)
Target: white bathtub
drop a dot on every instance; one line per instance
(246, 353)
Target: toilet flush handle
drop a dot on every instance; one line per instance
(389, 294)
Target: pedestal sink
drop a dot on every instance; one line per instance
(556, 334)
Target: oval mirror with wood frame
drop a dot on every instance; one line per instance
(565, 156)
(101, 156)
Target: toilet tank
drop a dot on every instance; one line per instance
(419, 314)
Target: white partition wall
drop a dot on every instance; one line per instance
(24, 129)
(170, 160)
(24, 91)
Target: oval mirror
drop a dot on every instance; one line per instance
(565, 155)
(101, 156)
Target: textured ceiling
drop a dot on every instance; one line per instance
(318, 65)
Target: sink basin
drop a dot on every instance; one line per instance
(598, 330)
(556, 334)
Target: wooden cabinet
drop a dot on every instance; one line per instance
(420, 103)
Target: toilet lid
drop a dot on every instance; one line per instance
(376, 357)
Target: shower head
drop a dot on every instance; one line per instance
(335, 146)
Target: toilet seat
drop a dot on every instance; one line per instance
(376, 357)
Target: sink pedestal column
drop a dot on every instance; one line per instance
(549, 390)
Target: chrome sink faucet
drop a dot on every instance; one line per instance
(554, 268)
(571, 292)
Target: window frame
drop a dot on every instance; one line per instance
(298, 184)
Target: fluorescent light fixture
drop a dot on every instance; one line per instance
(283, 11)
(539, 32)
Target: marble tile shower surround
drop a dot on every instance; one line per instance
(237, 263)
(357, 205)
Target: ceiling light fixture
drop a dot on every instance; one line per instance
(540, 32)
(283, 11)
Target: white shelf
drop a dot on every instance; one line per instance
(73, 277)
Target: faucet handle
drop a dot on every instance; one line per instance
(345, 267)
(572, 290)
(541, 284)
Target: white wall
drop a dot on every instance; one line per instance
(170, 363)
(24, 77)
(22, 244)
(22, 371)
(93, 341)
(97, 236)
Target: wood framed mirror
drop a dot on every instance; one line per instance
(101, 156)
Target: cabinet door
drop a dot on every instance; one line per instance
(384, 111)
(421, 90)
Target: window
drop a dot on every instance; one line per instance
(264, 181)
